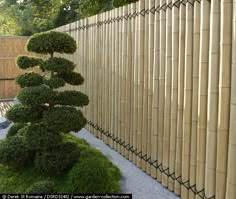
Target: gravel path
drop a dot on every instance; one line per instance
(134, 180)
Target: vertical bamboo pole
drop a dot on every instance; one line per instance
(132, 86)
(99, 81)
(202, 100)
(161, 87)
(128, 79)
(123, 80)
(107, 85)
(141, 21)
(224, 97)
(174, 91)
(167, 111)
(86, 64)
(213, 92)
(145, 87)
(187, 114)
(155, 101)
(231, 174)
(89, 72)
(113, 104)
(195, 77)
(135, 73)
(150, 80)
(116, 75)
(92, 74)
(103, 74)
(109, 68)
(120, 80)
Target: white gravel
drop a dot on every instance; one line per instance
(134, 180)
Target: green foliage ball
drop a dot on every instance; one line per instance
(35, 95)
(71, 98)
(71, 78)
(57, 160)
(14, 129)
(29, 79)
(50, 42)
(54, 82)
(23, 114)
(58, 64)
(64, 119)
(38, 137)
(92, 175)
(24, 62)
(14, 152)
(41, 187)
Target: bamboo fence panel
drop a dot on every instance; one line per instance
(161, 83)
(10, 48)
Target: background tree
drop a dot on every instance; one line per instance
(26, 17)
(45, 114)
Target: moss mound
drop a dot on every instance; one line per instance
(93, 173)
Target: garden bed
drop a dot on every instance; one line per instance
(93, 173)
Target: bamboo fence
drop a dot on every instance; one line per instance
(10, 48)
(161, 78)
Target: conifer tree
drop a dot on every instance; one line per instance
(45, 113)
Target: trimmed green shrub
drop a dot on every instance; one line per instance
(93, 176)
(37, 95)
(38, 137)
(50, 162)
(58, 64)
(14, 129)
(25, 62)
(72, 78)
(42, 187)
(54, 82)
(75, 98)
(14, 152)
(23, 114)
(50, 42)
(45, 112)
(64, 119)
(29, 79)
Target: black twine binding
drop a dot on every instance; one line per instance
(135, 14)
(153, 163)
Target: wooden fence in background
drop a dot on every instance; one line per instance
(161, 78)
(10, 48)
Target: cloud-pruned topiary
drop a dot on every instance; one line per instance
(45, 115)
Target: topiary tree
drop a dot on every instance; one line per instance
(45, 114)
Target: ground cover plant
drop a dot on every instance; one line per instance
(86, 176)
(36, 144)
